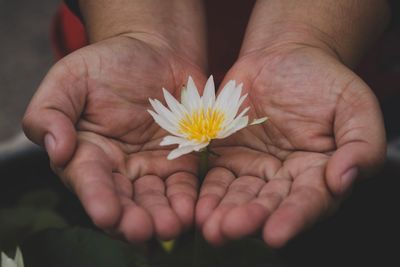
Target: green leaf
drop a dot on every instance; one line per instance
(75, 247)
(43, 199)
(18, 223)
(248, 252)
(191, 250)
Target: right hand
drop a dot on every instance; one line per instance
(90, 114)
(325, 127)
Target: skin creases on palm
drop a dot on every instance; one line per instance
(272, 177)
(118, 170)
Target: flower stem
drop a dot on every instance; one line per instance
(198, 241)
(203, 164)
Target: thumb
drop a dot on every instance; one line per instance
(50, 118)
(360, 139)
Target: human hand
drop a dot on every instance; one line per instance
(90, 114)
(324, 130)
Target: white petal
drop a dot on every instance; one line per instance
(238, 124)
(176, 153)
(234, 99)
(165, 124)
(187, 143)
(233, 109)
(242, 99)
(244, 111)
(228, 122)
(183, 94)
(191, 86)
(172, 140)
(208, 97)
(239, 103)
(259, 121)
(18, 258)
(177, 109)
(186, 149)
(191, 98)
(222, 97)
(195, 144)
(6, 261)
(200, 146)
(229, 101)
(163, 111)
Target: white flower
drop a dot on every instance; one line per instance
(197, 120)
(8, 262)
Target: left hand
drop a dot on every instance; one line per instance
(325, 129)
(104, 144)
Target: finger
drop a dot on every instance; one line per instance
(156, 162)
(53, 111)
(212, 191)
(89, 174)
(308, 200)
(182, 196)
(247, 219)
(244, 161)
(237, 74)
(149, 193)
(240, 191)
(360, 138)
(136, 225)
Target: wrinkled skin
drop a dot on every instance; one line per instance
(278, 178)
(92, 106)
(283, 176)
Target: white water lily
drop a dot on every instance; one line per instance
(8, 262)
(197, 120)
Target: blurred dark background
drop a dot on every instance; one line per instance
(365, 231)
(25, 56)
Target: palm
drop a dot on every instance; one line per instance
(276, 173)
(116, 115)
(107, 90)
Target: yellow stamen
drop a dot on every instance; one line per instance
(201, 125)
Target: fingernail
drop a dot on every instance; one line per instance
(49, 143)
(348, 178)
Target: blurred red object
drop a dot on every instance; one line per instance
(67, 32)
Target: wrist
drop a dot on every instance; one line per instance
(289, 35)
(177, 24)
(165, 50)
(345, 28)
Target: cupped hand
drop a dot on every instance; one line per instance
(324, 130)
(90, 114)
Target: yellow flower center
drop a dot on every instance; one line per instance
(201, 125)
